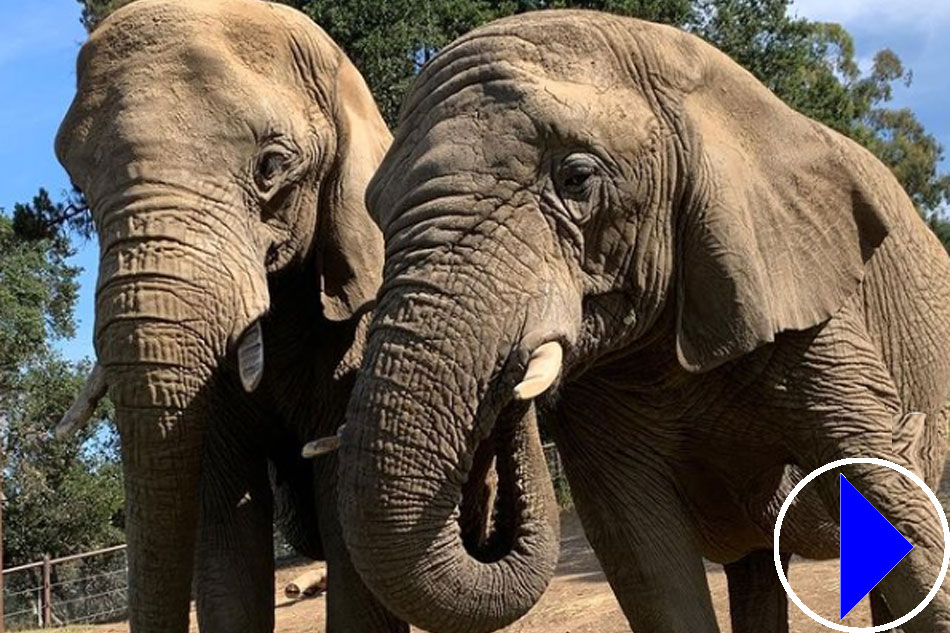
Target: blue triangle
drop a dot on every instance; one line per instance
(870, 547)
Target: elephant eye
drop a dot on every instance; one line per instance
(271, 167)
(575, 174)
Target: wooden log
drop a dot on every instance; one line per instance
(307, 584)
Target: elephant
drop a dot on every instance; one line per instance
(609, 226)
(224, 147)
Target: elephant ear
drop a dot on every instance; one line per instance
(351, 245)
(783, 215)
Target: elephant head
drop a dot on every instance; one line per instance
(219, 144)
(580, 183)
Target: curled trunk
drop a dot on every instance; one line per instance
(420, 414)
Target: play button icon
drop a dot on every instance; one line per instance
(870, 546)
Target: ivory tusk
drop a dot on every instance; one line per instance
(85, 405)
(323, 446)
(543, 369)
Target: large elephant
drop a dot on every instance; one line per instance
(224, 148)
(703, 292)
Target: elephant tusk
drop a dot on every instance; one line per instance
(85, 405)
(251, 358)
(543, 369)
(323, 446)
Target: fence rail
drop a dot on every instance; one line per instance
(92, 587)
(83, 588)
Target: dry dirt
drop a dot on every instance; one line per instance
(579, 599)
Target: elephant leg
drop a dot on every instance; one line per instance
(235, 550)
(643, 540)
(634, 519)
(351, 607)
(757, 600)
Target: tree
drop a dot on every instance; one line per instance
(811, 66)
(94, 11)
(389, 40)
(38, 290)
(65, 496)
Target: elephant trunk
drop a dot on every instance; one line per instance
(431, 395)
(161, 455)
(162, 328)
(159, 412)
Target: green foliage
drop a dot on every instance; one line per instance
(46, 220)
(61, 496)
(388, 40)
(38, 291)
(562, 494)
(94, 11)
(901, 141)
(812, 67)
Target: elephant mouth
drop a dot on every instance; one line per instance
(493, 497)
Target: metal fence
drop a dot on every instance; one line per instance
(85, 588)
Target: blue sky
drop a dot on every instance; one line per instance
(38, 83)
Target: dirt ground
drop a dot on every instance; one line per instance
(579, 599)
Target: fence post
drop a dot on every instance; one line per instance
(47, 593)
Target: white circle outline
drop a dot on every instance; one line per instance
(880, 628)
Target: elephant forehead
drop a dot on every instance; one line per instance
(169, 83)
(506, 54)
(269, 39)
(526, 78)
(505, 125)
(189, 98)
(584, 47)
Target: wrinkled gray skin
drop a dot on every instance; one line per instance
(224, 148)
(742, 294)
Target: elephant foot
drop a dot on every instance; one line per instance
(757, 600)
